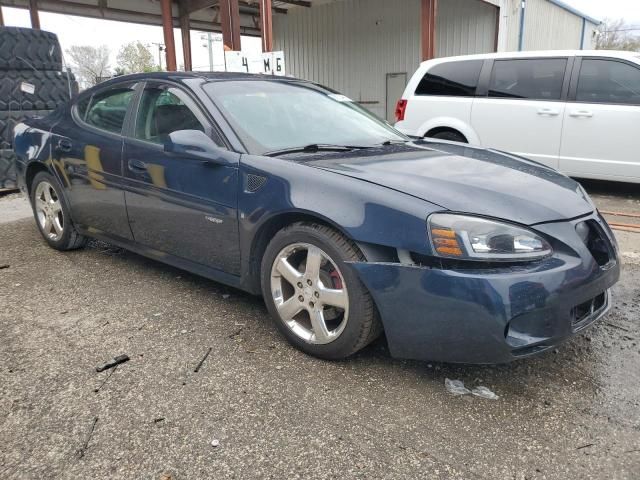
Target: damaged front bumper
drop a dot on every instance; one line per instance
(492, 315)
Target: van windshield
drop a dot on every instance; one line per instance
(279, 115)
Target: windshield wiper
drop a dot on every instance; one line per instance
(313, 148)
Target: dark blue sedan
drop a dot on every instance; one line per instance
(348, 228)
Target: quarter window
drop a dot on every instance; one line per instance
(532, 79)
(107, 110)
(162, 111)
(607, 81)
(459, 79)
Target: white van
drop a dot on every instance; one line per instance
(577, 111)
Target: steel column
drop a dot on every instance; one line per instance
(230, 22)
(167, 30)
(1, 17)
(33, 13)
(186, 34)
(266, 25)
(429, 10)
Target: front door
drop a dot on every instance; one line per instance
(179, 205)
(601, 124)
(522, 112)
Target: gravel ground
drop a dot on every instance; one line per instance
(272, 411)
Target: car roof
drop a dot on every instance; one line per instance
(210, 76)
(540, 53)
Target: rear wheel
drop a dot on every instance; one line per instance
(316, 301)
(450, 135)
(52, 214)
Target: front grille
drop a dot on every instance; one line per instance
(586, 312)
(596, 241)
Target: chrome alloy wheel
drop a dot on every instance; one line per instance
(309, 293)
(49, 211)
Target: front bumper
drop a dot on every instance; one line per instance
(492, 315)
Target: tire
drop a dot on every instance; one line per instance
(50, 89)
(25, 48)
(450, 135)
(68, 237)
(7, 170)
(346, 329)
(8, 120)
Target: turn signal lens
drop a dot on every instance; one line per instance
(474, 238)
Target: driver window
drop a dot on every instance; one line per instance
(162, 112)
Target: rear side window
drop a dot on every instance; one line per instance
(108, 109)
(608, 81)
(532, 79)
(458, 79)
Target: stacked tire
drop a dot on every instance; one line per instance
(32, 83)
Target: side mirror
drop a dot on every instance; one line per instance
(192, 143)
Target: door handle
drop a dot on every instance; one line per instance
(581, 113)
(549, 111)
(137, 166)
(64, 145)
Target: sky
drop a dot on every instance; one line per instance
(88, 31)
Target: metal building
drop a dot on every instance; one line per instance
(368, 49)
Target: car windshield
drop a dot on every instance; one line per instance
(276, 115)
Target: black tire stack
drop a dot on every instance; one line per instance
(32, 83)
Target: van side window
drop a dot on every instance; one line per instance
(457, 79)
(608, 81)
(532, 79)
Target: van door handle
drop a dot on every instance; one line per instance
(581, 113)
(549, 111)
(137, 166)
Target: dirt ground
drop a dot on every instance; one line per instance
(272, 411)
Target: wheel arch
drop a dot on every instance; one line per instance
(449, 124)
(33, 168)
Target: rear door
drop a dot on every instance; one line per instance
(523, 107)
(602, 120)
(179, 205)
(88, 146)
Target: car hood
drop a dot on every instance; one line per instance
(464, 179)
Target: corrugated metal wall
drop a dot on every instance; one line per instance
(465, 27)
(351, 45)
(548, 26)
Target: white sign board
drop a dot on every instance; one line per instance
(270, 63)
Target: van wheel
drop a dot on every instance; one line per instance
(450, 135)
(52, 214)
(316, 300)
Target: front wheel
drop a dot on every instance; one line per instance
(317, 302)
(52, 214)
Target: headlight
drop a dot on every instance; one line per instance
(474, 238)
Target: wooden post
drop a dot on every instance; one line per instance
(186, 36)
(266, 25)
(167, 30)
(33, 13)
(230, 20)
(1, 17)
(428, 28)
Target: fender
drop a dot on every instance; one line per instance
(453, 123)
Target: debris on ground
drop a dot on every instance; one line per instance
(82, 450)
(4, 265)
(96, 390)
(456, 387)
(484, 392)
(113, 362)
(158, 420)
(202, 361)
(215, 443)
